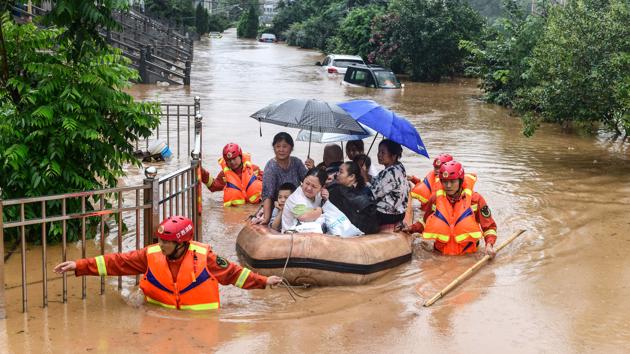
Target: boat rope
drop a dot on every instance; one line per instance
(285, 282)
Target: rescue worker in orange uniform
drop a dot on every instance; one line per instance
(423, 189)
(457, 217)
(239, 179)
(178, 273)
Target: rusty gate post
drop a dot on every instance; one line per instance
(142, 66)
(152, 197)
(3, 312)
(187, 70)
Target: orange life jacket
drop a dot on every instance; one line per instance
(237, 189)
(453, 226)
(195, 288)
(423, 190)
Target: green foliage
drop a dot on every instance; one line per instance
(502, 56)
(315, 31)
(579, 71)
(67, 123)
(218, 23)
(422, 37)
(355, 31)
(177, 12)
(201, 20)
(82, 21)
(248, 23)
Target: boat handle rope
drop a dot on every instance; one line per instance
(285, 282)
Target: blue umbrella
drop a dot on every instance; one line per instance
(386, 122)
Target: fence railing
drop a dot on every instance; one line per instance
(143, 206)
(176, 125)
(156, 51)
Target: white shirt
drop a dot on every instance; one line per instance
(373, 171)
(296, 205)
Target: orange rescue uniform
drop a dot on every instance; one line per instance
(457, 226)
(424, 188)
(239, 186)
(190, 282)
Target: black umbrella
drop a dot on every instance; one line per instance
(313, 115)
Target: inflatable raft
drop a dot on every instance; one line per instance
(320, 260)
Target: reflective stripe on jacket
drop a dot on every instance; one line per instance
(195, 289)
(423, 190)
(454, 225)
(240, 189)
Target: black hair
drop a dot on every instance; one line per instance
(354, 169)
(320, 173)
(393, 147)
(357, 143)
(283, 136)
(287, 186)
(363, 160)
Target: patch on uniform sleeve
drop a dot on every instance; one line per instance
(485, 211)
(221, 262)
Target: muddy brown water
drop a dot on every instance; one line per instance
(562, 287)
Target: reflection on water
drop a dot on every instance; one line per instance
(561, 287)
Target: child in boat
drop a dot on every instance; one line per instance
(286, 189)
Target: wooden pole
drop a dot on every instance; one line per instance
(460, 279)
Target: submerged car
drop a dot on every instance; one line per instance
(268, 38)
(215, 35)
(337, 64)
(370, 76)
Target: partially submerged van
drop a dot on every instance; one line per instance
(374, 76)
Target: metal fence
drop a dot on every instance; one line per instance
(143, 206)
(175, 122)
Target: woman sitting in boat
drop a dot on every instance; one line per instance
(283, 168)
(304, 205)
(390, 187)
(351, 196)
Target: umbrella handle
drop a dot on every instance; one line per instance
(370, 149)
(310, 135)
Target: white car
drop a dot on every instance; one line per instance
(337, 64)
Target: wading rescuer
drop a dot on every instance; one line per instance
(424, 188)
(178, 273)
(239, 179)
(456, 216)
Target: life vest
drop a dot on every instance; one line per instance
(423, 190)
(195, 288)
(237, 189)
(453, 226)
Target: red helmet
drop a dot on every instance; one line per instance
(451, 170)
(175, 228)
(441, 159)
(231, 151)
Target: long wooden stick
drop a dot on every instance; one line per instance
(460, 279)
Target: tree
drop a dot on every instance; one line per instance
(218, 23)
(248, 23)
(579, 71)
(201, 20)
(315, 31)
(502, 56)
(355, 31)
(423, 37)
(67, 123)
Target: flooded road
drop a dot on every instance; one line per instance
(562, 287)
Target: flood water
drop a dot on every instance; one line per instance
(562, 287)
